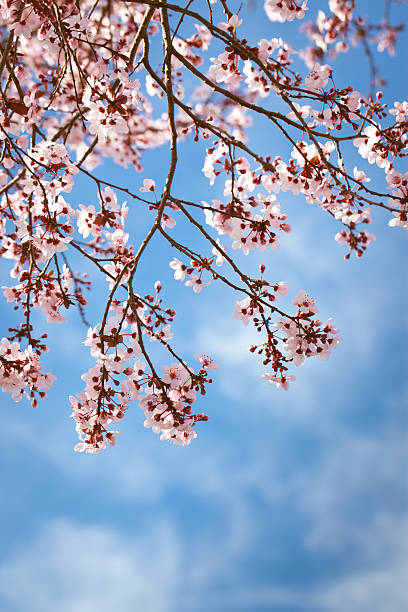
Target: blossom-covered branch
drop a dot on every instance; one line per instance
(85, 82)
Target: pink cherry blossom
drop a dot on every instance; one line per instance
(148, 185)
(285, 10)
(318, 77)
(306, 304)
(196, 283)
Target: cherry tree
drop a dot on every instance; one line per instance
(87, 81)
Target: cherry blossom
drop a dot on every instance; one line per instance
(318, 77)
(196, 283)
(279, 381)
(285, 10)
(179, 269)
(230, 25)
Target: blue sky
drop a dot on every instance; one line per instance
(287, 501)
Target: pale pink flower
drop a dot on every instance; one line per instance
(148, 185)
(206, 362)
(179, 269)
(318, 77)
(196, 283)
(306, 304)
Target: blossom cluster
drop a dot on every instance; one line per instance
(113, 382)
(21, 372)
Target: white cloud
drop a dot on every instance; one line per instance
(164, 567)
(70, 567)
(357, 482)
(382, 589)
(91, 568)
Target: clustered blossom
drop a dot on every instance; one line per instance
(400, 111)
(80, 85)
(236, 219)
(310, 338)
(303, 336)
(21, 372)
(224, 69)
(399, 184)
(306, 172)
(114, 382)
(285, 10)
(334, 33)
(329, 32)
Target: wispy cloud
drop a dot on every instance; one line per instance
(69, 566)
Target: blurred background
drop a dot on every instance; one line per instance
(289, 501)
